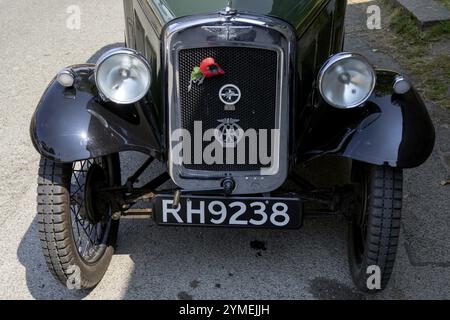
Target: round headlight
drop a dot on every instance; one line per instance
(346, 80)
(123, 76)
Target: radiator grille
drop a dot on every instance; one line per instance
(253, 70)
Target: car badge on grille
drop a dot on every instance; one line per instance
(228, 133)
(230, 95)
(231, 33)
(208, 69)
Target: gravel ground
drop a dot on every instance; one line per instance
(186, 263)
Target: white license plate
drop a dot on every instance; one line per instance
(229, 212)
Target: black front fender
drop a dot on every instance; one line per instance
(389, 129)
(72, 124)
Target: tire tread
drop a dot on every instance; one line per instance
(384, 221)
(53, 234)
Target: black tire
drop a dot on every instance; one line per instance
(57, 219)
(375, 225)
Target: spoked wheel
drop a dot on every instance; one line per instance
(76, 228)
(375, 225)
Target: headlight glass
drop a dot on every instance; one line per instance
(346, 80)
(123, 76)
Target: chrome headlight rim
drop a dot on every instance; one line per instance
(336, 59)
(116, 51)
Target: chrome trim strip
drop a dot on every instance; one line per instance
(270, 33)
(165, 13)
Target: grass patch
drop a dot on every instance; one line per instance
(411, 47)
(445, 3)
(435, 76)
(402, 22)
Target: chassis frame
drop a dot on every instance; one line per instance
(337, 200)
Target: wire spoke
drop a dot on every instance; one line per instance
(80, 186)
(83, 227)
(78, 239)
(87, 235)
(79, 189)
(76, 202)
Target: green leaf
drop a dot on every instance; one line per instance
(196, 74)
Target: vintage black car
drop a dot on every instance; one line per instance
(231, 97)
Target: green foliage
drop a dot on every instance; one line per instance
(445, 3)
(412, 47)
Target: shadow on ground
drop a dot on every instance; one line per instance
(192, 263)
(197, 263)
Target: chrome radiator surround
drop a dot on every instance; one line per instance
(269, 33)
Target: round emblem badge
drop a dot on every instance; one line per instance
(230, 94)
(229, 133)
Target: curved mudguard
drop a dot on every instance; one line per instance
(72, 124)
(389, 129)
